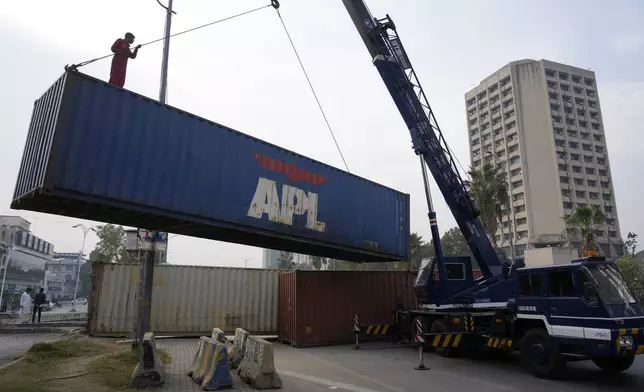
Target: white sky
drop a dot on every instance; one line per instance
(243, 74)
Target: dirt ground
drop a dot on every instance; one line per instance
(74, 364)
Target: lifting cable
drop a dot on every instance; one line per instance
(313, 90)
(274, 3)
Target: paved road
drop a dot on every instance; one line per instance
(66, 308)
(14, 345)
(384, 367)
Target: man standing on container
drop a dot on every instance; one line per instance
(122, 53)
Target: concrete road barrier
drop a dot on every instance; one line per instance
(202, 360)
(149, 371)
(239, 348)
(217, 375)
(258, 366)
(218, 335)
(197, 359)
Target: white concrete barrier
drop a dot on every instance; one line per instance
(239, 348)
(258, 366)
(149, 371)
(218, 335)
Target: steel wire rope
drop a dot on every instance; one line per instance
(313, 90)
(76, 66)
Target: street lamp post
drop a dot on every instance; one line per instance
(80, 256)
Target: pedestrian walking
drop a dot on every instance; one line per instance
(122, 53)
(39, 300)
(25, 305)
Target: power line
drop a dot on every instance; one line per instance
(313, 91)
(75, 66)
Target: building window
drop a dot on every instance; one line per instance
(581, 112)
(550, 72)
(560, 143)
(575, 157)
(576, 169)
(578, 90)
(515, 160)
(601, 161)
(599, 149)
(574, 145)
(513, 149)
(567, 205)
(563, 75)
(592, 183)
(608, 209)
(554, 107)
(570, 121)
(579, 181)
(521, 221)
(602, 172)
(564, 180)
(604, 184)
(598, 138)
(588, 159)
(583, 124)
(580, 194)
(519, 209)
(589, 82)
(612, 234)
(522, 234)
(590, 170)
(590, 93)
(572, 133)
(565, 193)
(593, 195)
(576, 79)
(563, 167)
(517, 184)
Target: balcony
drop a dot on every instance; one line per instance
(518, 203)
(497, 127)
(560, 149)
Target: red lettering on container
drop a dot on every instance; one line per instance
(293, 173)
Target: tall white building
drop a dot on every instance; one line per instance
(541, 122)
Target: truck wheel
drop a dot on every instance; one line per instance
(614, 364)
(540, 355)
(440, 326)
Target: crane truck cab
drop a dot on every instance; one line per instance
(550, 314)
(582, 310)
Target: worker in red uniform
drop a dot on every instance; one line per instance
(122, 53)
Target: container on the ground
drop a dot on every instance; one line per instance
(316, 308)
(186, 300)
(99, 152)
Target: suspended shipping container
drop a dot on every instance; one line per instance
(316, 308)
(186, 300)
(99, 152)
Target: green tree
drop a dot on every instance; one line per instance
(633, 272)
(488, 189)
(111, 244)
(286, 260)
(453, 243)
(318, 262)
(631, 244)
(584, 223)
(419, 249)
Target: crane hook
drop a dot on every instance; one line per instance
(275, 4)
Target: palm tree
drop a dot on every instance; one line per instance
(584, 222)
(488, 188)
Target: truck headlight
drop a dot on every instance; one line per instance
(626, 341)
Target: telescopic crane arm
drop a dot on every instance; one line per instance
(391, 60)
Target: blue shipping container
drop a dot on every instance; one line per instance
(95, 151)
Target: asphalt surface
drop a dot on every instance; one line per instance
(383, 366)
(14, 346)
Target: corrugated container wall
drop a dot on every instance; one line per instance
(316, 307)
(98, 152)
(186, 300)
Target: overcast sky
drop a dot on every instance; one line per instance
(243, 74)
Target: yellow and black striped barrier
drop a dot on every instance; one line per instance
(375, 329)
(630, 331)
(499, 343)
(443, 339)
(469, 323)
(631, 350)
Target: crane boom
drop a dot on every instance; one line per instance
(391, 60)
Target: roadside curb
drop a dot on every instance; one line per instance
(23, 330)
(7, 365)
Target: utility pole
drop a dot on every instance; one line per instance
(80, 256)
(146, 269)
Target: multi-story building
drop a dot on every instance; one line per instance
(60, 275)
(23, 257)
(541, 122)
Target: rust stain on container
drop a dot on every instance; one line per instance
(316, 308)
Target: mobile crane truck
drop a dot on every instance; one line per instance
(551, 315)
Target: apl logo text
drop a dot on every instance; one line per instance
(293, 201)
